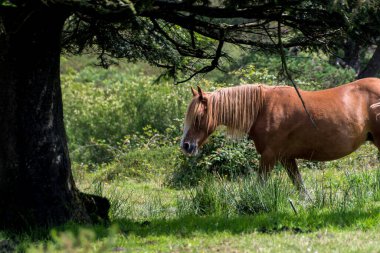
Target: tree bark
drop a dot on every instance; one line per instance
(36, 183)
(373, 66)
(352, 54)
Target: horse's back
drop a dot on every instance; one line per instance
(352, 99)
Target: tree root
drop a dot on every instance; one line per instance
(97, 207)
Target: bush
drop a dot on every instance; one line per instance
(142, 164)
(104, 108)
(146, 155)
(220, 155)
(309, 71)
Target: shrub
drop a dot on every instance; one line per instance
(220, 155)
(142, 164)
(146, 155)
(310, 71)
(103, 108)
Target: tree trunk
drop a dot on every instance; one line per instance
(373, 66)
(352, 54)
(36, 183)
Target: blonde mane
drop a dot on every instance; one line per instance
(235, 107)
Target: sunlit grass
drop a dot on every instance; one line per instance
(224, 215)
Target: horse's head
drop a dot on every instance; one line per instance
(197, 125)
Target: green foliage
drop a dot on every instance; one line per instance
(142, 164)
(106, 109)
(309, 71)
(140, 39)
(7, 3)
(220, 156)
(143, 156)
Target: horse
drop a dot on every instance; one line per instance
(274, 118)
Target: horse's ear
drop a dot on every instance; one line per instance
(201, 94)
(194, 92)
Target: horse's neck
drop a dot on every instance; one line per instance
(238, 109)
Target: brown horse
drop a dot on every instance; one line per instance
(274, 118)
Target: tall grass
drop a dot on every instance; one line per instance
(217, 196)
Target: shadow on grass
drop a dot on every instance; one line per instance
(190, 225)
(265, 223)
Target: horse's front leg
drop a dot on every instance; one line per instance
(293, 172)
(267, 162)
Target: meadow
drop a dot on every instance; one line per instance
(124, 130)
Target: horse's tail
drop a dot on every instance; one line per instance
(374, 106)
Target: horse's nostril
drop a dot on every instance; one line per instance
(192, 148)
(189, 147)
(186, 146)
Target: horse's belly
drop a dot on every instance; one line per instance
(326, 150)
(316, 155)
(334, 138)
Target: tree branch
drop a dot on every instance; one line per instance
(257, 11)
(113, 10)
(287, 73)
(214, 63)
(212, 31)
(182, 49)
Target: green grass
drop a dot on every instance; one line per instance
(272, 232)
(145, 218)
(224, 215)
(148, 216)
(208, 235)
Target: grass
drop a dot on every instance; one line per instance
(148, 216)
(216, 234)
(221, 215)
(216, 237)
(145, 219)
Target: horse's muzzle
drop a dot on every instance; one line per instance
(189, 148)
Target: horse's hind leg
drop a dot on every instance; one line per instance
(374, 134)
(375, 140)
(295, 175)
